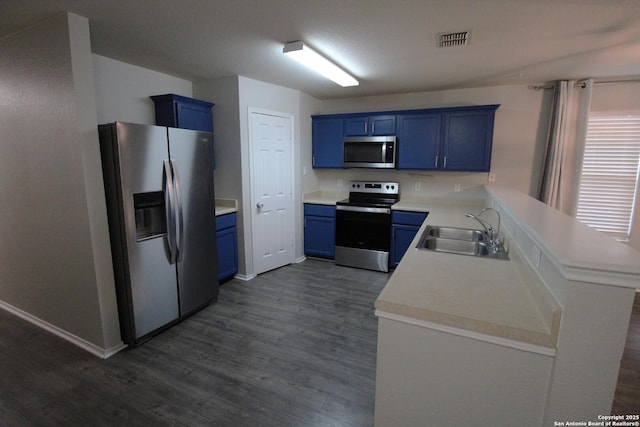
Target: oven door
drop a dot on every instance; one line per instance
(363, 228)
(363, 237)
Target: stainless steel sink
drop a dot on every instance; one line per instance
(463, 247)
(457, 233)
(462, 241)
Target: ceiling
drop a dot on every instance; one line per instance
(389, 45)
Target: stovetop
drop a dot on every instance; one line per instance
(372, 194)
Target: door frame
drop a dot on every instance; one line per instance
(253, 201)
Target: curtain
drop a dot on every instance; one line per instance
(564, 145)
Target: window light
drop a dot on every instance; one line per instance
(610, 172)
(318, 63)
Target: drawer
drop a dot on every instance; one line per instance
(225, 221)
(320, 210)
(408, 218)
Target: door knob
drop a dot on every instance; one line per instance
(259, 205)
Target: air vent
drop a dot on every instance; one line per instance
(460, 38)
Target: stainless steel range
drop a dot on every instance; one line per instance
(363, 225)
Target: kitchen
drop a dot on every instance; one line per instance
(123, 90)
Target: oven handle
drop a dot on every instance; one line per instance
(363, 209)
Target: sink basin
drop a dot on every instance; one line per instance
(457, 233)
(462, 241)
(463, 247)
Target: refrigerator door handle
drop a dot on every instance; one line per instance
(180, 217)
(169, 199)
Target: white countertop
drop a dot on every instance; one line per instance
(489, 296)
(576, 247)
(226, 206)
(324, 197)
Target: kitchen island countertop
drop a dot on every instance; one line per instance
(488, 296)
(522, 335)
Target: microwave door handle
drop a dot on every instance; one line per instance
(384, 151)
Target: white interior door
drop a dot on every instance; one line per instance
(272, 190)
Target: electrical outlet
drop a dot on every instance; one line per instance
(492, 177)
(304, 170)
(456, 188)
(339, 182)
(418, 186)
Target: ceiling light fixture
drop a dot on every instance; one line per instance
(318, 63)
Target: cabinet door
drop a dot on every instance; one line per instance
(227, 253)
(196, 117)
(382, 125)
(467, 140)
(418, 141)
(327, 142)
(319, 236)
(370, 126)
(356, 126)
(182, 112)
(401, 237)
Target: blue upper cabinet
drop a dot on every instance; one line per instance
(182, 112)
(418, 141)
(326, 137)
(467, 140)
(448, 139)
(361, 125)
(444, 139)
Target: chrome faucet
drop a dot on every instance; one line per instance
(492, 233)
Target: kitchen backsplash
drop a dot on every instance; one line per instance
(418, 184)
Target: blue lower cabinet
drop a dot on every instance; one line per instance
(404, 226)
(319, 231)
(227, 239)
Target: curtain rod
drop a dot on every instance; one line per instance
(583, 85)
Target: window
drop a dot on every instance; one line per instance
(609, 178)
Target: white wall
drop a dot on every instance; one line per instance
(519, 131)
(123, 90)
(55, 253)
(226, 128)
(233, 177)
(227, 147)
(266, 96)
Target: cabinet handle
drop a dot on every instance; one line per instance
(445, 162)
(373, 127)
(366, 126)
(436, 164)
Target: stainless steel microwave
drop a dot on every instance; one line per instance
(369, 152)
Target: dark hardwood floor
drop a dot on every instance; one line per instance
(627, 398)
(293, 347)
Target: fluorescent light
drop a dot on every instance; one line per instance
(318, 63)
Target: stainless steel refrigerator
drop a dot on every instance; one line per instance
(161, 209)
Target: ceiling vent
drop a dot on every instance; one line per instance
(460, 38)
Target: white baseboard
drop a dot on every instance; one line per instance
(100, 352)
(244, 277)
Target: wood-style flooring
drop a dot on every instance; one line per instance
(292, 347)
(627, 397)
